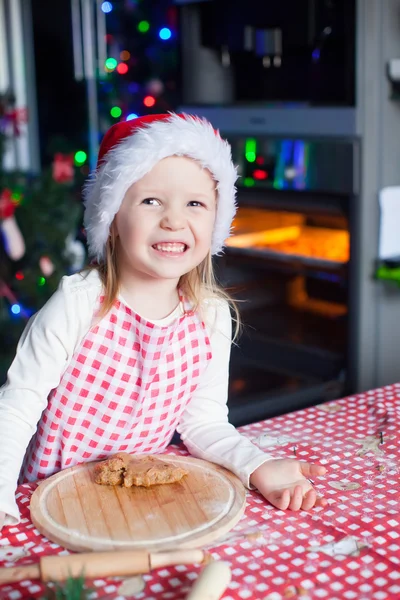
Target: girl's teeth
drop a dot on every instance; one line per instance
(170, 247)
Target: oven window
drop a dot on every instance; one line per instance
(289, 273)
(292, 235)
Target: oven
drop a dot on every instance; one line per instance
(289, 266)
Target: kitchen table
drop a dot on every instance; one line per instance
(348, 550)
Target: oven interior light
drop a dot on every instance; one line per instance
(270, 236)
(313, 242)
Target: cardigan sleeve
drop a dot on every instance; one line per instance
(204, 427)
(43, 353)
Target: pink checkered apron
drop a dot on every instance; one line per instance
(123, 391)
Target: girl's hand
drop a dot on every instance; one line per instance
(285, 484)
(2, 519)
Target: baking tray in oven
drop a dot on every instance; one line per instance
(320, 247)
(284, 257)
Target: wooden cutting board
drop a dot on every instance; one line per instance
(73, 511)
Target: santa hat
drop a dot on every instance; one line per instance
(130, 149)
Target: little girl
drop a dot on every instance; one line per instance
(138, 345)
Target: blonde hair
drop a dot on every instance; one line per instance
(197, 285)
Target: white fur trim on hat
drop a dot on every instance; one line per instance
(137, 154)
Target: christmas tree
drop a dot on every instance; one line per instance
(40, 215)
(140, 72)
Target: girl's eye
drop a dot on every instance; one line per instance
(151, 201)
(195, 203)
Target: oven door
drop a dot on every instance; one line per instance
(288, 267)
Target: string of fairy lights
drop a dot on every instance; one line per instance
(121, 62)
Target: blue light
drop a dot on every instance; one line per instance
(15, 309)
(106, 7)
(316, 54)
(165, 33)
(133, 87)
(131, 116)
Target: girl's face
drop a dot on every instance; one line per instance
(166, 220)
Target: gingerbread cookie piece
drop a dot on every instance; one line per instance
(146, 471)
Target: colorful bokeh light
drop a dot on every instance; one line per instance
(80, 157)
(251, 149)
(149, 101)
(260, 174)
(143, 26)
(110, 64)
(165, 33)
(115, 112)
(122, 68)
(106, 7)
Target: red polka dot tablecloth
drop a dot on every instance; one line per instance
(349, 550)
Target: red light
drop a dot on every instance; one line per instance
(19, 275)
(122, 68)
(172, 17)
(259, 174)
(260, 160)
(149, 101)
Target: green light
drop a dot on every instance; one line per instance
(250, 149)
(110, 64)
(80, 157)
(41, 281)
(115, 112)
(248, 181)
(16, 198)
(143, 26)
(388, 273)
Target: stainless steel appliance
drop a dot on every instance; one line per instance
(290, 265)
(251, 51)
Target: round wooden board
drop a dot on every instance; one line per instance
(70, 509)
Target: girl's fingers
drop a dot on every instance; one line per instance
(297, 498)
(280, 500)
(321, 501)
(312, 470)
(309, 500)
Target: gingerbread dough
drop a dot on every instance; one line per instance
(127, 470)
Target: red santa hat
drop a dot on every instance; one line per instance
(130, 149)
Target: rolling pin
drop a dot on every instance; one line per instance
(212, 582)
(99, 564)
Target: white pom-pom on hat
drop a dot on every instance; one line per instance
(130, 149)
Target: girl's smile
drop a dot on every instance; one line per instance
(170, 249)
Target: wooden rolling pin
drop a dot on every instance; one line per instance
(212, 582)
(99, 564)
